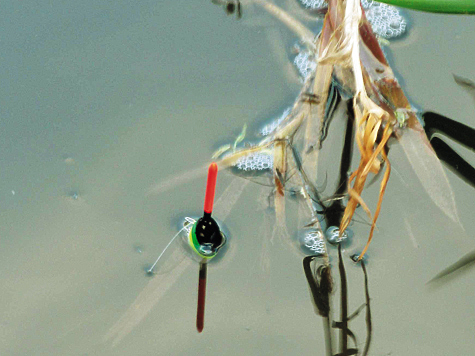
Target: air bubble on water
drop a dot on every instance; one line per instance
(74, 197)
(394, 24)
(333, 235)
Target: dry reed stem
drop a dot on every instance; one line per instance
(348, 49)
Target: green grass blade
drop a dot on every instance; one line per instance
(438, 6)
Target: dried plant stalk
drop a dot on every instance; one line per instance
(348, 52)
(381, 110)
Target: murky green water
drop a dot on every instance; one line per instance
(101, 101)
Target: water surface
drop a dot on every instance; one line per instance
(100, 101)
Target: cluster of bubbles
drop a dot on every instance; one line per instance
(386, 20)
(255, 162)
(314, 242)
(333, 235)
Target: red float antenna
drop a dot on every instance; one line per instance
(210, 188)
